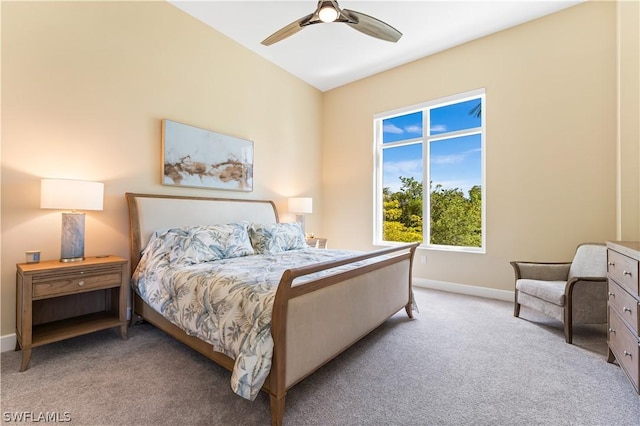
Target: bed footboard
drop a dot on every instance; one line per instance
(314, 322)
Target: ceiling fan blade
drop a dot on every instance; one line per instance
(286, 31)
(372, 27)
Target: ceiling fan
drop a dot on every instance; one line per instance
(329, 11)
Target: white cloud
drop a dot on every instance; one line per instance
(453, 158)
(438, 128)
(394, 169)
(404, 168)
(391, 128)
(414, 129)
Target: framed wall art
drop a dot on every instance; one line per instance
(194, 157)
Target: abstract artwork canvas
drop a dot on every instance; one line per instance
(201, 158)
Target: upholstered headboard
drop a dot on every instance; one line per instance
(149, 212)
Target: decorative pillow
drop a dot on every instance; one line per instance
(274, 238)
(206, 243)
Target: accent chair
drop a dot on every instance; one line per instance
(571, 292)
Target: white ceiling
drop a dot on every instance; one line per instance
(331, 55)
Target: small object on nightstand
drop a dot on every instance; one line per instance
(317, 242)
(33, 256)
(57, 300)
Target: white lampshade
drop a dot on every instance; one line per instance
(68, 194)
(301, 205)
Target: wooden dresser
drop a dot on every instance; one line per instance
(623, 258)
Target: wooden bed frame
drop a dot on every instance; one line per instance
(311, 322)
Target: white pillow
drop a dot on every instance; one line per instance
(274, 238)
(206, 243)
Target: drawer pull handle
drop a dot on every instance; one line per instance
(80, 283)
(611, 264)
(627, 354)
(612, 294)
(611, 330)
(626, 273)
(625, 309)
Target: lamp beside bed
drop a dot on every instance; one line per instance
(301, 206)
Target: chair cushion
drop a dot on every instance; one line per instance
(590, 261)
(550, 291)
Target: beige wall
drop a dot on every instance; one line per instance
(550, 143)
(629, 120)
(84, 87)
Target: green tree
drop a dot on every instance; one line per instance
(455, 219)
(403, 212)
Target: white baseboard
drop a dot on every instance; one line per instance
(471, 290)
(8, 342)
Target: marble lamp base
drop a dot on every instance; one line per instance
(72, 242)
(300, 220)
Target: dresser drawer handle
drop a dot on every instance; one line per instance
(625, 309)
(611, 264)
(612, 294)
(627, 354)
(611, 330)
(626, 273)
(80, 283)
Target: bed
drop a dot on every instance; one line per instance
(315, 311)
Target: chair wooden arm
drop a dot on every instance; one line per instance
(545, 271)
(572, 282)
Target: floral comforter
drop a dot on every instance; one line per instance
(226, 302)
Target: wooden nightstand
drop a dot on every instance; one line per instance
(57, 300)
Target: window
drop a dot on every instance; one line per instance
(449, 212)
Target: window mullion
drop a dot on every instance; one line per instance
(456, 134)
(426, 172)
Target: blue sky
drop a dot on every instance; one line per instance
(454, 163)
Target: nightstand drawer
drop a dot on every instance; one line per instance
(624, 270)
(47, 286)
(625, 304)
(625, 347)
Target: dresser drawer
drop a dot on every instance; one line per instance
(624, 270)
(625, 347)
(45, 285)
(625, 304)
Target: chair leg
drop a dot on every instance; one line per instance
(568, 323)
(516, 305)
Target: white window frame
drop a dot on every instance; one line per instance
(425, 140)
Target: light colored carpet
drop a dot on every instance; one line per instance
(461, 361)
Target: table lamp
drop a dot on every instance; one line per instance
(67, 194)
(300, 206)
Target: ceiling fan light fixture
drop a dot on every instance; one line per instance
(328, 14)
(329, 11)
